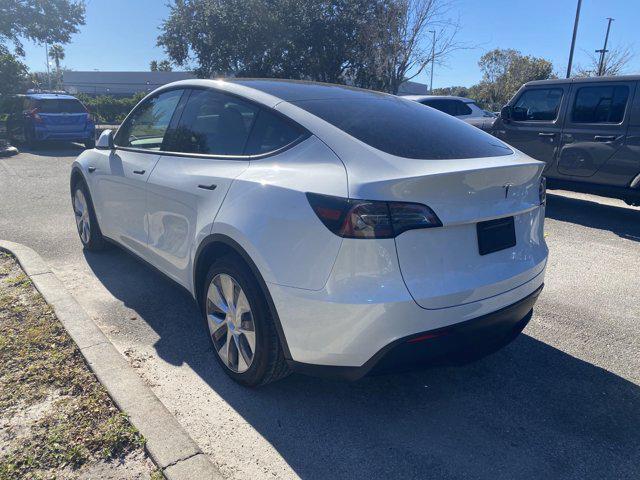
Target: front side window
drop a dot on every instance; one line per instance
(405, 129)
(212, 123)
(541, 104)
(602, 104)
(145, 128)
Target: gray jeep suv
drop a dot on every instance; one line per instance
(587, 130)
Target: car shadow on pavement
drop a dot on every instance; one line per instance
(53, 149)
(624, 222)
(528, 411)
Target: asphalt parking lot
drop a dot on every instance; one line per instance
(562, 401)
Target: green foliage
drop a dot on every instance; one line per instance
(13, 73)
(52, 21)
(458, 91)
(369, 43)
(504, 71)
(162, 66)
(109, 109)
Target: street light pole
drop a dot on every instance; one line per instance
(573, 39)
(604, 50)
(433, 54)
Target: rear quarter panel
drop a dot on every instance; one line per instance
(266, 211)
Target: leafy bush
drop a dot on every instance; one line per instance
(109, 109)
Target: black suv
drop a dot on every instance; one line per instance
(587, 130)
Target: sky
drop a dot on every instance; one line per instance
(121, 35)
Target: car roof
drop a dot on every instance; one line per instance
(272, 91)
(50, 96)
(561, 81)
(420, 98)
(296, 90)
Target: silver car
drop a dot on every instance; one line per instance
(463, 108)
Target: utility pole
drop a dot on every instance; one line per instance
(573, 39)
(433, 59)
(604, 50)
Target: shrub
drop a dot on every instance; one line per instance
(110, 109)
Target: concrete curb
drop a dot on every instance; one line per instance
(168, 445)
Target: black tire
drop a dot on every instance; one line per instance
(96, 241)
(90, 144)
(268, 363)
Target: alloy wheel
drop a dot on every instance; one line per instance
(231, 323)
(83, 222)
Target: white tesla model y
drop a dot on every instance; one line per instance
(321, 228)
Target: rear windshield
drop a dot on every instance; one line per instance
(60, 105)
(406, 128)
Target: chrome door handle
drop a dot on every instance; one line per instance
(544, 134)
(91, 169)
(604, 138)
(139, 172)
(208, 187)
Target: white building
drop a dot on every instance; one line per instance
(128, 83)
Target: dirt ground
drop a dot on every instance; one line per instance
(56, 420)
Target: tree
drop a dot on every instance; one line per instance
(13, 73)
(162, 66)
(457, 91)
(616, 62)
(504, 71)
(56, 52)
(52, 21)
(370, 43)
(400, 43)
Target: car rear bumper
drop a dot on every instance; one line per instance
(72, 136)
(365, 306)
(455, 344)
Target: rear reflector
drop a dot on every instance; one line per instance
(427, 336)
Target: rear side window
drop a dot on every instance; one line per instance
(146, 126)
(60, 105)
(405, 128)
(212, 123)
(452, 107)
(271, 132)
(601, 104)
(540, 104)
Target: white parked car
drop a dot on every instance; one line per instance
(321, 228)
(462, 108)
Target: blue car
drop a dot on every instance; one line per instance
(37, 117)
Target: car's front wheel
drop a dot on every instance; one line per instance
(86, 222)
(240, 324)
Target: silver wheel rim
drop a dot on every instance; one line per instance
(83, 222)
(231, 324)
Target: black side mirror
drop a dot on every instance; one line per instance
(505, 113)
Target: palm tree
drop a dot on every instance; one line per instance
(56, 52)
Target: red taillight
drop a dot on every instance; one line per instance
(370, 218)
(35, 116)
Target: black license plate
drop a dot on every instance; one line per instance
(496, 235)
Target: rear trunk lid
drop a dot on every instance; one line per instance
(444, 267)
(62, 115)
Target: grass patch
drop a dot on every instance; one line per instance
(42, 371)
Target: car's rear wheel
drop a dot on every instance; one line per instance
(240, 325)
(86, 222)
